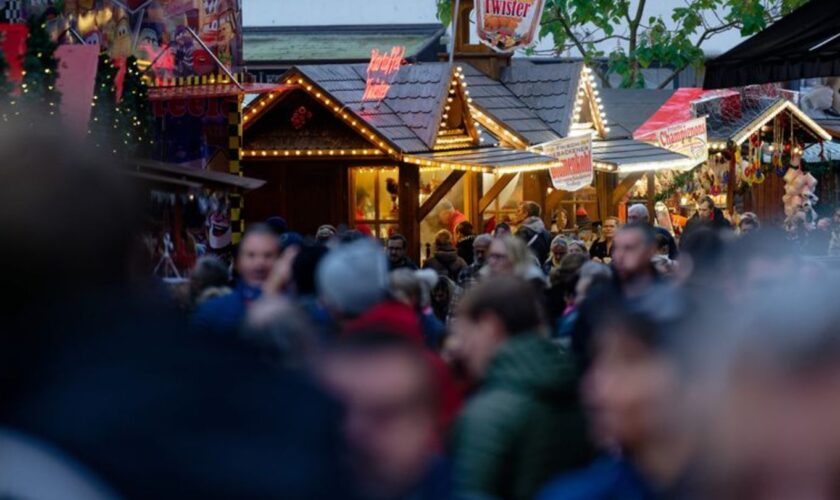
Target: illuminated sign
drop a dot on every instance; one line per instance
(381, 72)
(507, 25)
(575, 172)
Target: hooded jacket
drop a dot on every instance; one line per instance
(446, 262)
(533, 232)
(524, 425)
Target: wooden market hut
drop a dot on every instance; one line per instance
(535, 102)
(331, 158)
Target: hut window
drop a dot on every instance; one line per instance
(375, 194)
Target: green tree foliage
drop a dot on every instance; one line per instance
(639, 39)
(40, 68)
(135, 112)
(105, 120)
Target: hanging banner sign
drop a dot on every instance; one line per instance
(507, 25)
(13, 46)
(688, 138)
(381, 72)
(575, 171)
(76, 80)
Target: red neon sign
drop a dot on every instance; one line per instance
(381, 72)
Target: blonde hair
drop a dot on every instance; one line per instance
(518, 254)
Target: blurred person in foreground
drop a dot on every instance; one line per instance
(633, 250)
(643, 407)
(209, 279)
(255, 258)
(639, 214)
(523, 424)
(391, 416)
(470, 274)
(351, 279)
(776, 404)
(94, 368)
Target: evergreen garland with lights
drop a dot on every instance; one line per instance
(40, 69)
(135, 112)
(104, 120)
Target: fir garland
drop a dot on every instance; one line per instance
(137, 124)
(40, 68)
(679, 182)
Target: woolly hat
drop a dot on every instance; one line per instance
(353, 278)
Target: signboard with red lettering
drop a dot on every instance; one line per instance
(575, 172)
(507, 25)
(688, 138)
(13, 46)
(381, 72)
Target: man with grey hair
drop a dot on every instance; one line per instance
(469, 275)
(352, 278)
(639, 214)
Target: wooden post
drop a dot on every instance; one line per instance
(409, 207)
(603, 194)
(730, 188)
(651, 192)
(625, 186)
(472, 196)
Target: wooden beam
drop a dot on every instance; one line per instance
(625, 186)
(494, 191)
(730, 188)
(651, 192)
(439, 193)
(472, 193)
(409, 179)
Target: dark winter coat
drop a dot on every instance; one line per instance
(446, 262)
(533, 232)
(717, 222)
(465, 248)
(523, 426)
(404, 263)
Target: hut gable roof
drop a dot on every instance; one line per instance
(409, 116)
(496, 100)
(550, 90)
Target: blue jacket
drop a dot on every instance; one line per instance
(224, 315)
(606, 479)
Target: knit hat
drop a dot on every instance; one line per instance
(353, 278)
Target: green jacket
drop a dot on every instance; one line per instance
(523, 426)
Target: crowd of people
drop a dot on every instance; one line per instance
(515, 365)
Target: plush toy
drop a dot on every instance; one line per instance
(799, 200)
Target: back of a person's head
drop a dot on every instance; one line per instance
(280, 332)
(532, 209)
(443, 238)
(69, 216)
(641, 211)
(304, 266)
(704, 248)
(512, 300)
(353, 277)
(465, 228)
(209, 272)
(407, 287)
(567, 272)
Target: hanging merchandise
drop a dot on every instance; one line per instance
(799, 200)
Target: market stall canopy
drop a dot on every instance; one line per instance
(822, 153)
(173, 174)
(212, 90)
(803, 44)
(488, 159)
(722, 128)
(676, 109)
(628, 155)
(629, 109)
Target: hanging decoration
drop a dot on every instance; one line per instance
(799, 200)
(300, 117)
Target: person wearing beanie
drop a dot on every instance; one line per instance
(445, 260)
(352, 278)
